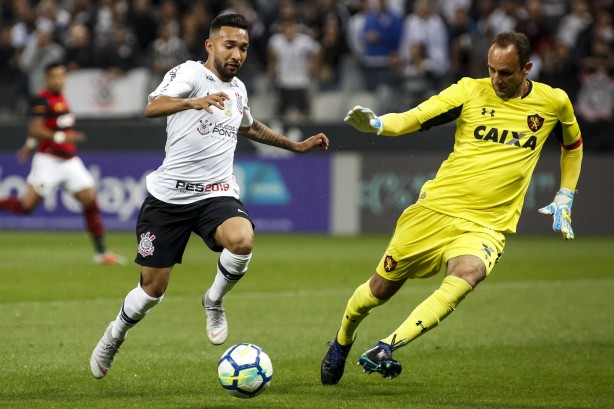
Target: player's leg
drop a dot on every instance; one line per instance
(470, 256)
(162, 232)
(375, 292)
(24, 205)
(236, 236)
(80, 182)
(137, 304)
(42, 180)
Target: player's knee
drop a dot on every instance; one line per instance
(241, 244)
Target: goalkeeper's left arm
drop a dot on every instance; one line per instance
(560, 208)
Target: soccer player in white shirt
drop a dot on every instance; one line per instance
(195, 190)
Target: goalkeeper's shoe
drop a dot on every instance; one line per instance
(217, 327)
(109, 258)
(379, 359)
(102, 357)
(333, 363)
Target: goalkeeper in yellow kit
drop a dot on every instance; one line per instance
(461, 216)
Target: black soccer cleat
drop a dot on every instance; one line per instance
(333, 363)
(379, 359)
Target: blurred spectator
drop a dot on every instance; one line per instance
(317, 16)
(559, 69)
(574, 22)
(356, 27)
(450, 7)
(287, 10)
(23, 31)
(143, 22)
(595, 101)
(12, 82)
(49, 14)
(417, 78)
(600, 29)
(166, 52)
(79, 48)
(381, 38)
(37, 55)
(293, 59)
(195, 28)
(554, 10)
(535, 27)
(426, 27)
(333, 49)
(121, 54)
(505, 17)
(461, 31)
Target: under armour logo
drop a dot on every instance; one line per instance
(424, 329)
(492, 112)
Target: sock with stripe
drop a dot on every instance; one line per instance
(136, 305)
(430, 312)
(230, 268)
(359, 306)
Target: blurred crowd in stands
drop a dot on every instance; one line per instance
(402, 50)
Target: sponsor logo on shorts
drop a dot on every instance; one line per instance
(146, 247)
(389, 264)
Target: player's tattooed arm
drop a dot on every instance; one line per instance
(261, 133)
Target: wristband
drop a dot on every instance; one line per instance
(31, 142)
(59, 137)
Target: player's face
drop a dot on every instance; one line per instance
(227, 51)
(55, 79)
(506, 75)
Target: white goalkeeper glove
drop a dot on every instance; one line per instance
(364, 120)
(560, 209)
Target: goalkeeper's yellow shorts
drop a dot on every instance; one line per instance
(424, 240)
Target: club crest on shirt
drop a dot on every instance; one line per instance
(204, 127)
(146, 247)
(389, 264)
(535, 122)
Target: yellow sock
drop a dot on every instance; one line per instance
(359, 306)
(431, 311)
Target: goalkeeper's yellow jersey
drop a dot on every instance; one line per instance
(497, 145)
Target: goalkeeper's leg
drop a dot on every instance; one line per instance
(464, 273)
(358, 307)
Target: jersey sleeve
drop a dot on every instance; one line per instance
(177, 83)
(445, 106)
(38, 107)
(568, 131)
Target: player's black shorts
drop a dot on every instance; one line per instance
(163, 229)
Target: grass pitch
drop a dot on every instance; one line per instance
(538, 333)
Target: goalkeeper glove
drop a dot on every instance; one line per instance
(560, 209)
(364, 120)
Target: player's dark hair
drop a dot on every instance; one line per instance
(518, 40)
(52, 66)
(229, 20)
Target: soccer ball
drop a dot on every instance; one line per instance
(244, 370)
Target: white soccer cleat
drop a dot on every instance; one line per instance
(109, 258)
(217, 327)
(103, 354)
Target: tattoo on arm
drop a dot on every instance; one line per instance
(261, 133)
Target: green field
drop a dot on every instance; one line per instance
(538, 333)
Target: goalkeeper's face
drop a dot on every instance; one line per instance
(507, 77)
(227, 50)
